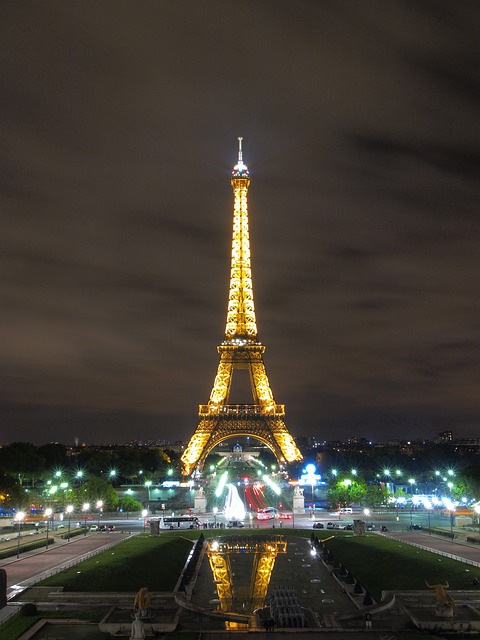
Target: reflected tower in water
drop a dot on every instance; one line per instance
(245, 589)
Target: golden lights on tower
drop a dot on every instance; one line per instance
(240, 349)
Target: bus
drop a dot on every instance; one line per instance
(267, 514)
(179, 522)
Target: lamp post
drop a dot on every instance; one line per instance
(48, 514)
(99, 507)
(144, 515)
(411, 482)
(20, 515)
(452, 519)
(85, 508)
(367, 513)
(69, 511)
(347, 483)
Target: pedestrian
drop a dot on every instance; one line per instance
(368, 621)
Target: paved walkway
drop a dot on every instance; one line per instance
(39, 563)
(460, 549)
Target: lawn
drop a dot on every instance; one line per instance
(382, 564)
(137, 562)
(18, 624)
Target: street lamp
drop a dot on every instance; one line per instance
(48, 514)
(144, 515)
(69, 510)
(99, 507)
(452, 520)
(367, 513)
(20, 515)
(347, 483)
(215, 511)
(85, 508)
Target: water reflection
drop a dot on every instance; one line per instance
(242, 567)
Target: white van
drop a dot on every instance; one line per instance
(346, 510)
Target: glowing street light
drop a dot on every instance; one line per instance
(85, 508)
(48, 514)
(100, 509)
(69, 511)
(367, 513)
(19, 516)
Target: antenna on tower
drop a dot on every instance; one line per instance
(240, 159)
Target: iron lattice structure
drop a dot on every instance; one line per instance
(233, 596)
(262, 420)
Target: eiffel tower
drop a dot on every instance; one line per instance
(262, 420)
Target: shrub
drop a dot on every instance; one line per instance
(28, 609)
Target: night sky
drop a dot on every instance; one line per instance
(361, 127)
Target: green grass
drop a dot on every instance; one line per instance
(382, 564)
(18, 624)
(13, 628)
(137, 562)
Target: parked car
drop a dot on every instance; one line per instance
(111, 527)
(371, 527)
(332, 525)
(94, 527)
(349, 527)
(318, 525)
(235, 524)
(415, 527)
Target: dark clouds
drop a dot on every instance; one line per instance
(361, 128)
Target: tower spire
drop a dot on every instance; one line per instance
(241, 323)
(240, 170)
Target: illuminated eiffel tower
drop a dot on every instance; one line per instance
(262, 420)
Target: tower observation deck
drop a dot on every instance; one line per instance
(240, 349)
